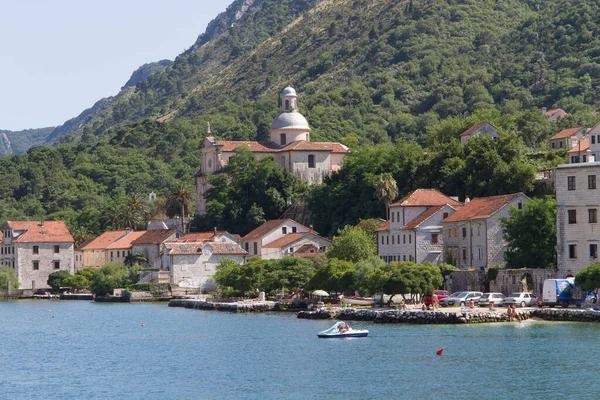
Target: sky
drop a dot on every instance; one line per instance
(59, 57)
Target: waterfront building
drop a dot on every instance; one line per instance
(289, 145)
(192, 263)
(577, 204)
(473, 235)
(35, 249)
(278, 238)
(112, 246)
(414, 229)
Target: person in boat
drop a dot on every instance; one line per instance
(343, 327)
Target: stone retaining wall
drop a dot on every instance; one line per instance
(412, 317)
(231, 307)
(551, 314)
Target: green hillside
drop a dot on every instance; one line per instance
(395, 80)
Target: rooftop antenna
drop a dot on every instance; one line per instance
(208, 132)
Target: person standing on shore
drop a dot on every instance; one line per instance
(435, 301)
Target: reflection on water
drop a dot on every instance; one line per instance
(102, 351)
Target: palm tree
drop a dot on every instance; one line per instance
(180, 197)
(135, 213)
(135, 258)
(386, 190)
(112, 215)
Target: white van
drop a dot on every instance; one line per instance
(561, 292)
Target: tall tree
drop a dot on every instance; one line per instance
(530, 234)
(386, 190)
(181, 198)
(352, 244)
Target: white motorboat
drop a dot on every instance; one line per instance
(360, 301)
(342, 330)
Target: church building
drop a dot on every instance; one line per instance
(290, 147)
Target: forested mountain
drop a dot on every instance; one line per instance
(19, 141)
(375, 69)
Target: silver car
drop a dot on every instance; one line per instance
(522, 299)
(487, 298)
(461, 298)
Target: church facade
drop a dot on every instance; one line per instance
(290, 147)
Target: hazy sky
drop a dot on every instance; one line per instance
(59, 57)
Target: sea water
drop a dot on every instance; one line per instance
(84, 350)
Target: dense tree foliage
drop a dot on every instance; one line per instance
(56, 279)
(405, 278)
(112, 276)
(530, 234)
(588, 279)
(352, 244)
(248, 193)
(8, 278)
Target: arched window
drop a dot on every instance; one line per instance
(287, 105)
(311, 161)
(283, 139)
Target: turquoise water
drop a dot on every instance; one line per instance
(102, 351)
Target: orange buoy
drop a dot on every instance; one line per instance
(143, 324)
(439, 351)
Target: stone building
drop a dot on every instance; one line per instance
(278, 238)
(482, 128)
(567, 138)
(290, 147)
(112, 246)
(35, 249)
(577, 204)
(192, 263)
(473, 235)
(414, 230)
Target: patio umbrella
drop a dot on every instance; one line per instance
(320, 293)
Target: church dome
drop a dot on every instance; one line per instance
(288, 91)
(290, 120)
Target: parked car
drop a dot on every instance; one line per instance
(487, 298)
(461, 298)
(522, 299)
(441, 294)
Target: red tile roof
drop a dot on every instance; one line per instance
(103, 241)
(556, 111)
(566, 133)
(126, 242)
(268, 227)
(270, 147)
(308, 250)
(581, 146)
(426, 197)
(34, 232)
(227, 248)
(154, 237)
(422, 217)
(383, 227)
(472, 129)
(179, 248)
(285, 240)
(482, 207)
(258, 147)
(302, 145)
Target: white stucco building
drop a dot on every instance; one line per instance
(414, 229)
(577, 204)
(278, 238)
(473, 235)
(290, 147)
(35, 249)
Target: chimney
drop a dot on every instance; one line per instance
(467, 199)
(544, 109)
(42, 223)
(215, 231)
(129, 230)
(311, 228)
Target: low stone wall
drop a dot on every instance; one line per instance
(77, 296)
(237, 307)
(550, 314)
(134, 297)
(413, 317)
